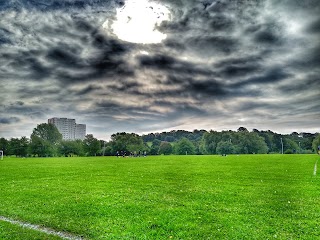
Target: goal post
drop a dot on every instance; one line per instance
(1, 154)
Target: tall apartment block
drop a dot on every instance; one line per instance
(80, 131)
(69, 129)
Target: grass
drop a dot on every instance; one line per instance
(10, 231)
(163, 197)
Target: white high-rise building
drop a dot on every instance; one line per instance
(68, 128)
(80, 131)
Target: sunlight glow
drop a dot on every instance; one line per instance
(136, 22)
(294, 27)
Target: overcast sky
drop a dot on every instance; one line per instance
(148, 66)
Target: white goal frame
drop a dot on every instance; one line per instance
(1, 153)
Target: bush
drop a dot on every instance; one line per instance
(288, 151)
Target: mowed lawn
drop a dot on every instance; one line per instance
(163, 197)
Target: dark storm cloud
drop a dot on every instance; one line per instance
(4, 36)
(272, 76)
(266, 37)
(61, 55)
(108, 60)
(146, 114)
(312, 83)
(123, 111)
(214, 44)
(174, 27)
(126, 86)
(221, 59)
(239, 67)
(195, 88)
(221, 23)
(50, 5)
(10, 120)
(309, 60)
(65, 62)
(87, 90)
(28, 92)
(19, 107)
(314, 27)
(171, 64)
(268, 33)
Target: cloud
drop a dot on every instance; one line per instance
(221, 60)
(83, 52)
(171, 64)
(271, 76)
(10, 120)
(314, 27)
(222, 23)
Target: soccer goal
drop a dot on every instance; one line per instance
(1, 154)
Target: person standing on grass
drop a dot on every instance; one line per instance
(319, 150)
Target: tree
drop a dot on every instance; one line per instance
(225, 147)
(290, 146)
(44, 140)
(70, 148)
(41, 147)
(249, 143)
(242, 129)
(48, 132)
(4, 145)
(209, 142)
(129, 142)
(154, 150)
(184, 146)
(316, 143)
(91, 145)
(165, 148)
(19, 147)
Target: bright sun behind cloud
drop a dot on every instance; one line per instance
(136, 22)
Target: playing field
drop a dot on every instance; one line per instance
(162, 197)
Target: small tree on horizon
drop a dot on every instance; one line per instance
(185, 146)
(165, 148)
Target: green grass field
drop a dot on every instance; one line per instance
(163, 197)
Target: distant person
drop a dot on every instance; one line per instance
(319, 149)
(118, 154)
(145, 153)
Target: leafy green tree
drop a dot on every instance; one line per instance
(290, 146)
(225, 147)
(41, 148)
(4, 146)
(70, 148)
(19, 147)
(316, 143)
(92, 146)
(45, 139)
(107, 150)
(184, 146)
(48, 132)
(209, 142)
(129, 142)
(242, 129)
(165, 148)
(154, 150)
(14, 145)
(251, 142)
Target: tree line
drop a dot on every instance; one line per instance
(46, 141)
